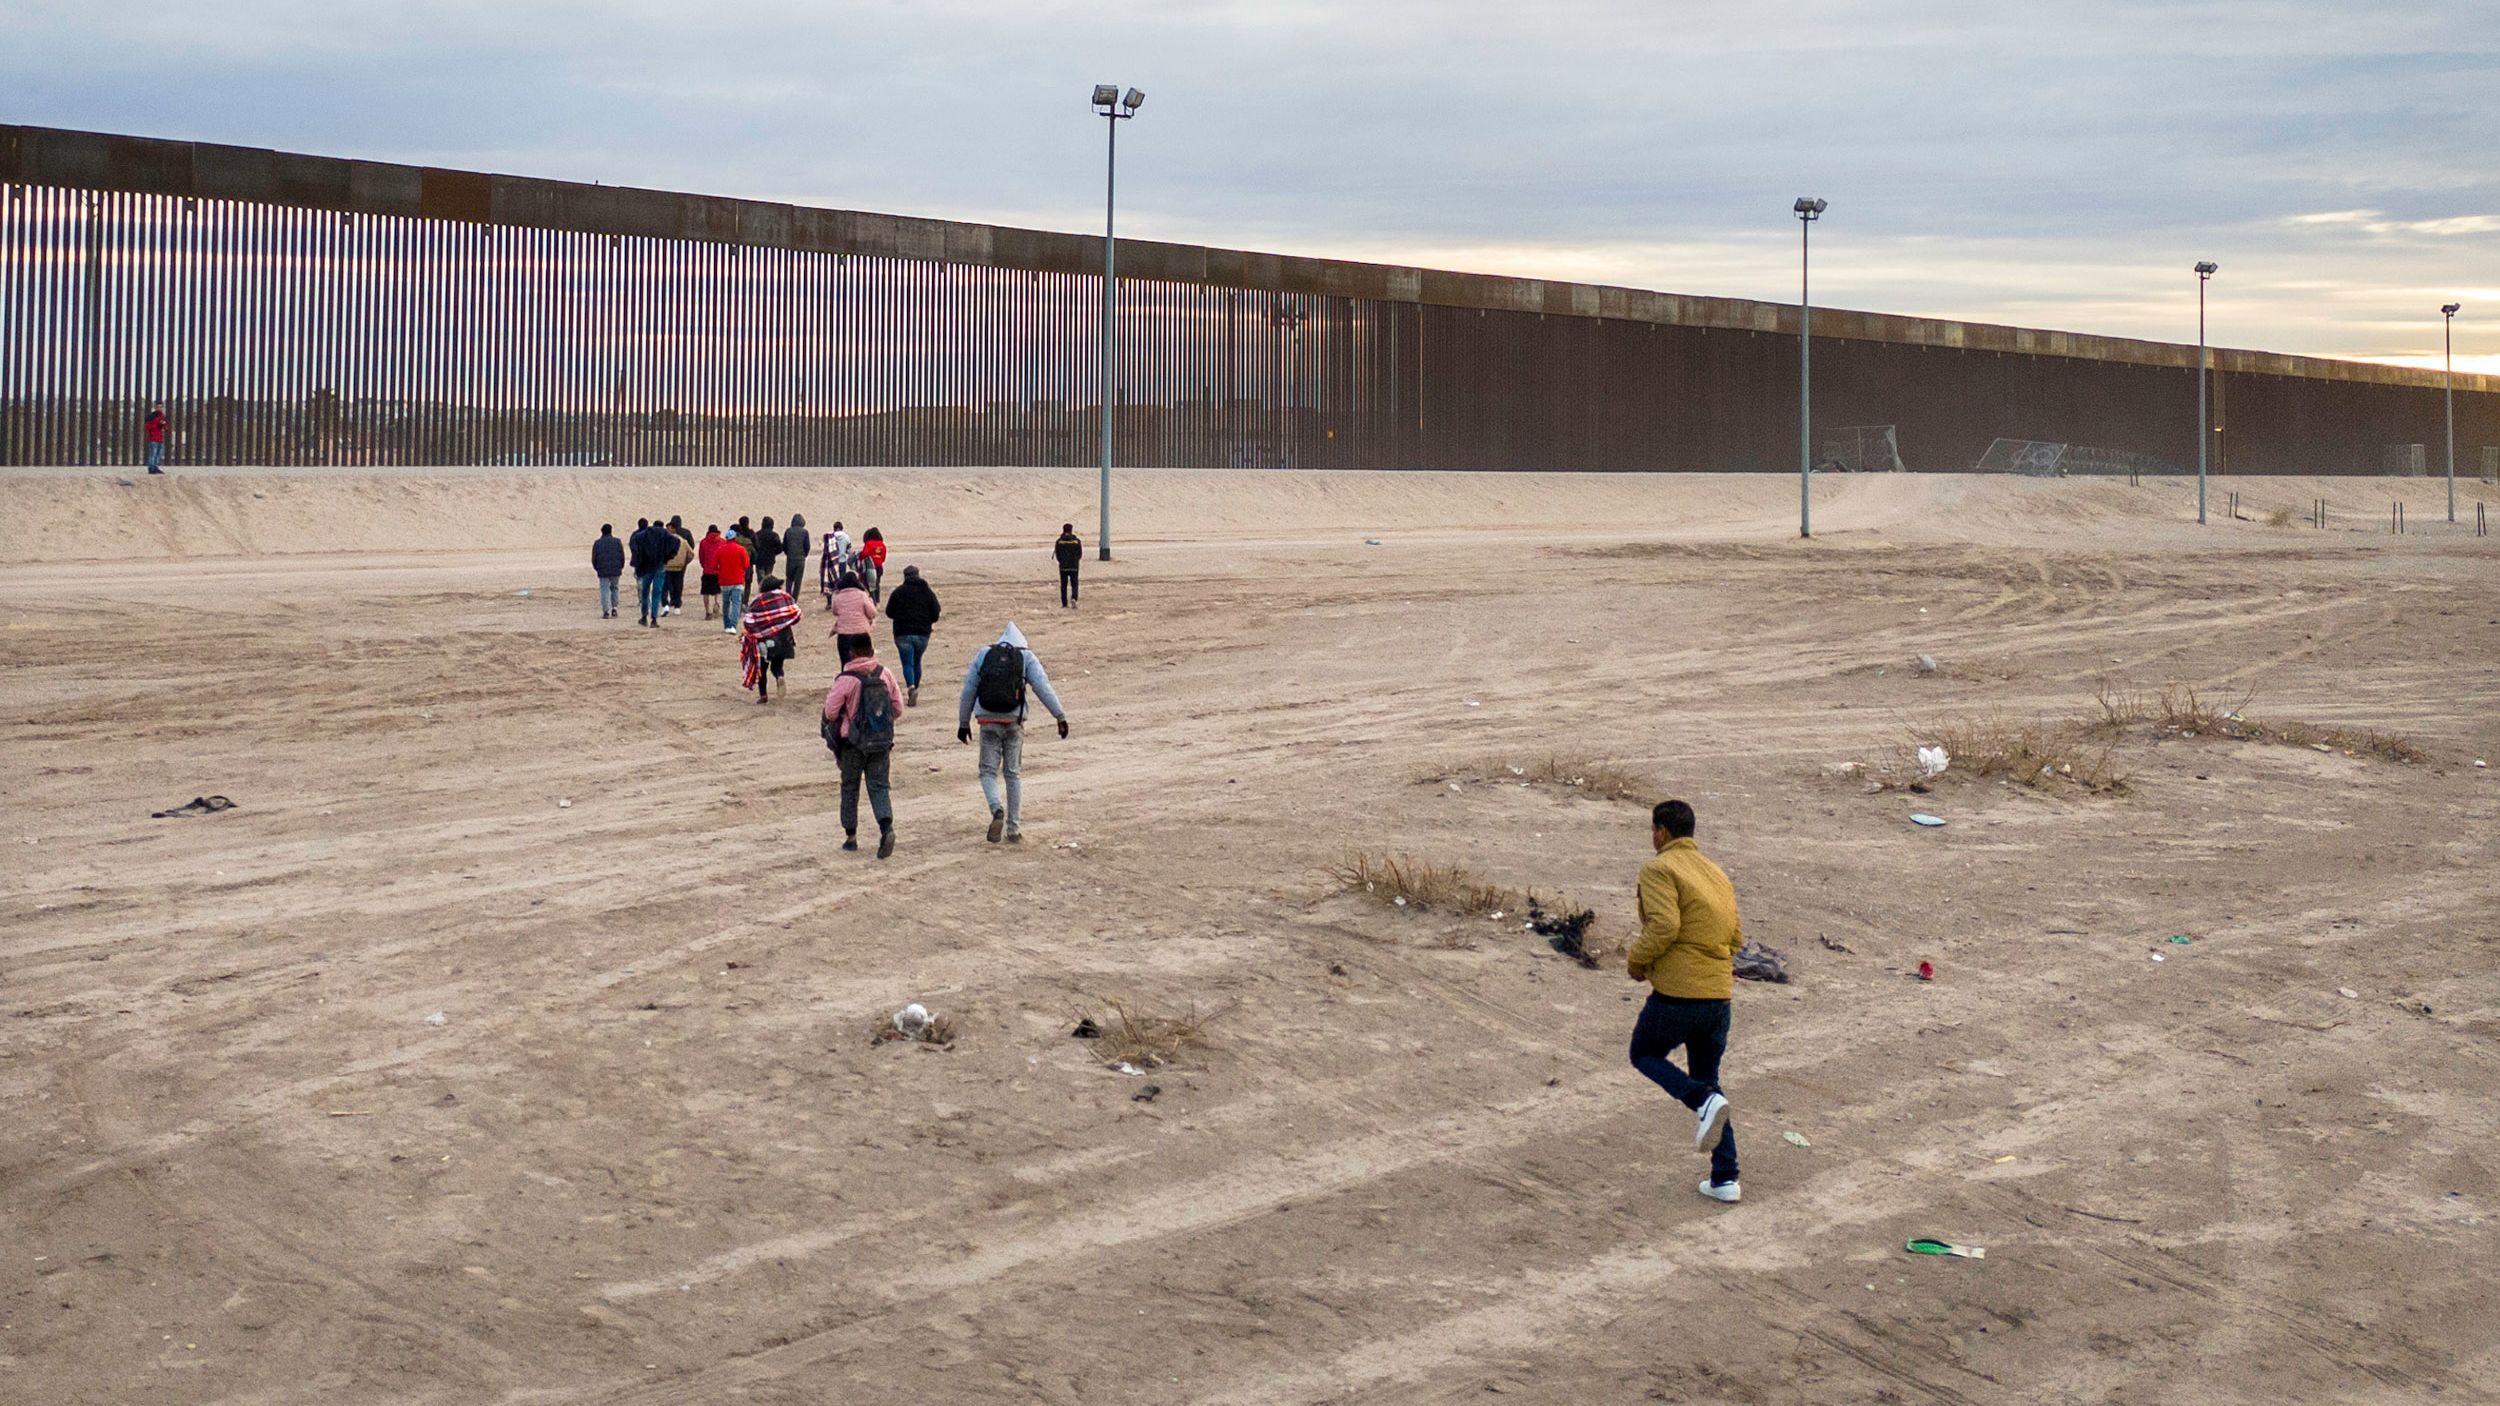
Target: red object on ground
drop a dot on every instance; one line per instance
(1926, 972)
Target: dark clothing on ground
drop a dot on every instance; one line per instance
(872, 767)
(914, 609)
(1701, 1027)
(607, 557)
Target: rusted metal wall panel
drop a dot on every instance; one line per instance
(299, 309)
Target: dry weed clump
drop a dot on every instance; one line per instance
(2042, 753)
(1607, 781)
(1408, 883)
(2183, 710)
(2280, 517)
(1405, 882)
(1133, 1034)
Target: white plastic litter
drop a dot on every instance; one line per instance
(438, 1018)
(912, 1019)
(1932, 761)
(2347, 993)
(564, 805)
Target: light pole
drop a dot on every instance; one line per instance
(1808, 210)
(2204, 431)
(2448, 356)
(1113, 107)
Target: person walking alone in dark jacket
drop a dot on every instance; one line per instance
(914, 611)
(1070, 549)
(794, 546)
(607, 559)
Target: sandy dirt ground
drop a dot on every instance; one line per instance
(651, 1154)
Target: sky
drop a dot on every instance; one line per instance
(2046, 164)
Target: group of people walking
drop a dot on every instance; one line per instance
(755, 572)
(1690, 930)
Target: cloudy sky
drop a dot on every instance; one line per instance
(2043, 163)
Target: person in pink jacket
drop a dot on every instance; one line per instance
(859, 727)
(853, 614)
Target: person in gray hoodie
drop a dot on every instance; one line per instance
(994, 697)
(794, 545)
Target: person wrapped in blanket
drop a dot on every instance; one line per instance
(767, 637)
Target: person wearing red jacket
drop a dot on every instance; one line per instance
(729, 563)
(872, 553)
(704, 552)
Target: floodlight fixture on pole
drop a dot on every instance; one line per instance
(1808, 210)
(2204, 431)
(1112, 106)
(2448, 358)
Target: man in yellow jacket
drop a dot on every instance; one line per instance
(1689, 934)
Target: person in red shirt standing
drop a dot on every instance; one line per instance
(156, 438)
(704, 552)
(729, 563)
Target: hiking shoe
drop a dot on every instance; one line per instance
(1710, 1116)
(911, 696)
(885, 843)
(1015, 837)
(1730, 1192)
(850, 839)
(998, 824)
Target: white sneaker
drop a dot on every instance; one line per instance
(1731, 1193)
(1711, 1114)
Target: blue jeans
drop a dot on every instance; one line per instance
(648, 590)
(156, 456)
(607, 595)
(733, 604)
(1701, 1028)
(910, 647)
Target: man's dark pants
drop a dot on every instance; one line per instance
(1067, 585)
(872, 767)
(1701, 1028)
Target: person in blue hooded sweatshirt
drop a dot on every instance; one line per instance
(996, 690)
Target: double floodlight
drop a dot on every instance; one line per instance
(1109, 102)
(2206, 269)
(1807, 207)
(2450, 309)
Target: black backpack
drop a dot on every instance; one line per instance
(872, 721)
(1000, 687)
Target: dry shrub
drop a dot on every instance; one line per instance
(2185, 711)
(2280, 517)
(2046, 754)
(1606, 781)
(1133, 1033)
(1420, 884)
(2360, 741)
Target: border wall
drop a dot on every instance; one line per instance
(293, 309)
